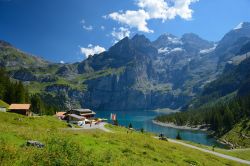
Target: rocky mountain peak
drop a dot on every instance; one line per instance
(242, 25)
(193, 42)
(191, 37)
(167, 40)
(139, 39)
(4, 44)
(234, 40)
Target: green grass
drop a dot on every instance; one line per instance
(243, 153)
(64, 147)
(239, 135)
(3, 104)
(76, 82)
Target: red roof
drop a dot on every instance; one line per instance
(19, 106)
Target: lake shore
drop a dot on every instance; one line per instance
(166, 110)
(172, 125)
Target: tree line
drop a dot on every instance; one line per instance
(12, 91)
(219, 117)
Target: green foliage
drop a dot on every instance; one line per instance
(142, 130)
(178, 136)
(116, 123)
(239, 135)
(3, 104)
(130, 125)
(220, 117)
(13, 58)
(39, 106)
(234, 78)
(11, 91)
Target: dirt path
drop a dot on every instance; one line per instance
(100, 126)
(211, 152)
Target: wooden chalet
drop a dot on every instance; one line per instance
(73, 118)
(23, 109)
(87, 113)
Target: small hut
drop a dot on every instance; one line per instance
(23, 109)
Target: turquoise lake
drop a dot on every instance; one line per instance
(143, 119)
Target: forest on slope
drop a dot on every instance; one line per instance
(223, 104)
(13, 91)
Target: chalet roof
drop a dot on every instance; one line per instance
(19, 106)
(60, 113)
(77, 116)
(81, 110)
(90, 113)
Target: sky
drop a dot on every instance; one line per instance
(66, 31)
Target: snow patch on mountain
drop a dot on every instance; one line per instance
(168, 50)
(177, 49)
(239, 26)
(163, 50)
(208, 50)
(174, 40)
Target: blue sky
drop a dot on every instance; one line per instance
(68, 30)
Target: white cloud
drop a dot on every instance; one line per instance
(102, 27)
(153, 9)
(91, 50)
(86, 27)
(181, 8)
(120, 33)
(82, 21)
(62, 62)
(134, 19)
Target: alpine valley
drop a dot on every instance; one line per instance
(135, 73)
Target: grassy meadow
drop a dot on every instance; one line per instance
(89, 147)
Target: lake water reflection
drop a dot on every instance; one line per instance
(143, 119)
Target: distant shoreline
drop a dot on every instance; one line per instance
(172, 125)
(166, 110)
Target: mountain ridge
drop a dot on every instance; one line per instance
(136, 73)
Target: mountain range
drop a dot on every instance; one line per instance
(135, 73)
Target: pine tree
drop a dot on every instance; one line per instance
(37, 105)
(19, 93)
(228, 119)
(130, 125)
(178, 136)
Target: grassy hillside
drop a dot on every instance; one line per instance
(13, 58)
(64, 147)
(3, 104)
(239, 135)
(239, 153)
